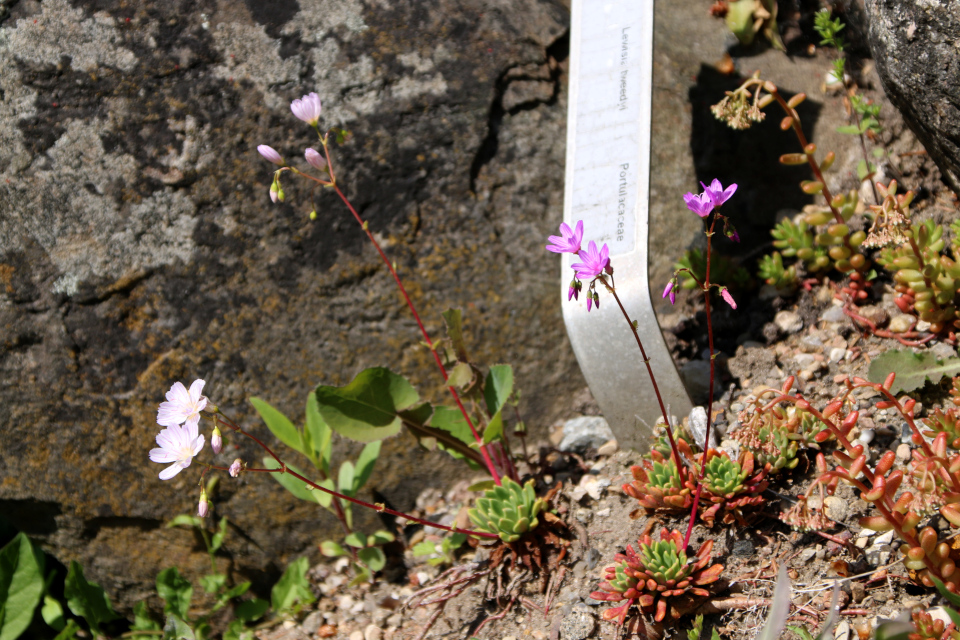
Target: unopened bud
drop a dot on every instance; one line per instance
(274, 192)
(270, 154)
(280, 195)
(236, 467)
(203, 509)
(315, 159)
(216, 440)
(313, 214)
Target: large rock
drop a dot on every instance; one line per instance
(138, 245)
(914, 45)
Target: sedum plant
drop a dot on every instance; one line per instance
(661, 572)
(731, 487)
(510, 511)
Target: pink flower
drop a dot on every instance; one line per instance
(728, 298)
(235, 468)
(182, 405)
(589, 303)
(177, 445)
(569, 239)
(668, 291)
(307, 108)
(315, 159)
(701, 204)
(270, 154)
(717, 194)
(274, 193)
(594, 262)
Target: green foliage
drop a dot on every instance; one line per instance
(509, 510)
(292, 592)
(773, 272)
(747, 18)
(21, 585)
(829, 31)
(175, 591)
(87, 599)
(442, 552)
(722, 269)
(913, 369)
(367, 408)
(724, 476)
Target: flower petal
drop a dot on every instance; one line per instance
(163, 456)
(170, 471)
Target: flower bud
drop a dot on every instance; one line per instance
(315, 160)
(313, 214)
(280, 194)
(203, 509)
(270, 154)
(275, 192)
(725, 294)
(236, 467)
(216, 441)
(668, 291)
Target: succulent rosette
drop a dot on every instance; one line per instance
(509, 510)
(661, 570)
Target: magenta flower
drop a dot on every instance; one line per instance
(182, 406)
(307, 108)
(717, 194)
(177, 445)
(701, 204)
(668, 291)
(572, 293)
(270, 154)
(589, 303)
(315, 159)
(728, 298)
(569, 240)
(594, 262)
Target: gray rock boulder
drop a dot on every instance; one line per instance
(914, 46)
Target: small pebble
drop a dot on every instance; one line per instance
(327, 631)
(833, 314)
(866, 436)
(876, 315)
(903, 452)
(884, 538)
(356, 635)
(788, 321)
(843, 631)
(901, 323)
(837, 354)
(608, 448)
(922, 325)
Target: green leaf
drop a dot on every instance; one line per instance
(237, 591)
(715, 635)
(365, 463)
(366, 409)
(141, 618)
(373, 557)
(176, 628)
(292, 587)
(450, 419)
(424, 548)
(331, 549)
(452, 318)
(494, 430)
(913, 370)
(362, 575)
(802, 632)
(87, 599)
(52, 613)
(323, 498)
(294, 485)
(498, 387)
(250, 610)
(346, 477)
(455, 540)
(218, 537)
(849, 129)
(176, 592)
(461, 375)
(878, 153)
(69, 632)
(236, 631)
(185, 520)
(213, 582)
(279, 425)
(320, 433)
(483, 485)
(354, 539)
(21, 585)
(380, 537)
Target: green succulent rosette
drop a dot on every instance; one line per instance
(509, 510)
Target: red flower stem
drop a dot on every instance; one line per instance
(653, 380)
(706, 438)
(379, 507)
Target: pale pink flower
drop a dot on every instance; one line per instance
(216, 440)
(235, 468)
(274, 193)
(569, 239)
(728, 298)
(307, 108)
(182, 405)
(716, 193)
(315, 159)
(203, 509)
(178, 444)
(269, 153)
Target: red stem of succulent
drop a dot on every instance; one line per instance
(376, 507)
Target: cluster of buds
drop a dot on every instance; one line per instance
(661, 571)
(741, 108)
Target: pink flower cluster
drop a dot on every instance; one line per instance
(181, 440)
(593, 261)
(713, 196)
(308, 109)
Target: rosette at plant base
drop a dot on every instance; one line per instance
(658, 484)
(730, 486)
(659, 572)
(508, 510)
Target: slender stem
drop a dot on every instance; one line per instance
(653, 379)
(866, 159)
(379, 507)
(423, 331)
